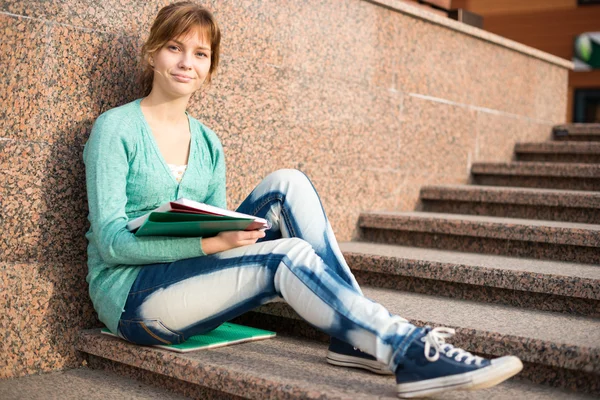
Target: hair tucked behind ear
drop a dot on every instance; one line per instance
(173, 21)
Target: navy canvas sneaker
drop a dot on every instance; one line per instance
(345, 355)
(432, 366)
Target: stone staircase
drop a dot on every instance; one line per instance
(511, 261)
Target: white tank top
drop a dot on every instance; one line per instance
(177, 171)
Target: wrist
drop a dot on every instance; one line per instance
(212, 245)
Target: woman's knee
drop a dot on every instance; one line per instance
(294, 245)
(288, 177)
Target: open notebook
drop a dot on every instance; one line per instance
(188, 218)
(225, 335)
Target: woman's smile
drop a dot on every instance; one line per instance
(182, 78)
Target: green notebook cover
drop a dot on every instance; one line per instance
(190, 225)
(225, 335)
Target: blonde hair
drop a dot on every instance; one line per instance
(173, 21)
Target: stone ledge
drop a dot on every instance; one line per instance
(472, 31)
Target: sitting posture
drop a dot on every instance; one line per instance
(161, 290)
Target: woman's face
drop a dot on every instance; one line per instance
(181, 65)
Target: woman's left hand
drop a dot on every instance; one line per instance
(230, 240)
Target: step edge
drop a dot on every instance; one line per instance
(526, 197)
(493, 229)
(537, 169)
(215, 377)
(558, 148)
(580, 358)
(415, 272)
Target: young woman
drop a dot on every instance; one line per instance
(157, 290)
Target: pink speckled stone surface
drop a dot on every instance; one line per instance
(552, 339)
(23, 90)
(577, 129)
(528, 203)
(497, 134)
(370, 102)
(282, 368)
(525, 283)
(44, 306)
(575, 152)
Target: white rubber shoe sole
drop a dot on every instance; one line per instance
(357, 362)
(500, 370)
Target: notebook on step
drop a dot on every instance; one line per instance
(225, 335)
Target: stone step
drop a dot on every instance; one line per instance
(557, 349)
(81, 383)
(549, 175)
(574, 152)
(529, 203)
(577, 132)
(544, 285)
(279, 368)
(561, 241)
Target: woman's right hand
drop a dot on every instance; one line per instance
(230, 240)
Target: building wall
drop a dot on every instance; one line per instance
(370, 101)
(501, 7)
(548, 25)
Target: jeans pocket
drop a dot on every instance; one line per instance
(148, 332)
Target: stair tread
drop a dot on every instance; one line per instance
(569, 233)
(543, 337)
(577, 128)
(531, 168)
(558, 147)
(567, 279)
(512, 195)
(81, 383)
(456, 258)
(525, 323)
(487, 219)
(282, 367)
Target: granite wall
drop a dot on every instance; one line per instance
(370, 98)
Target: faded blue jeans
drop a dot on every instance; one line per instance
(298, 260)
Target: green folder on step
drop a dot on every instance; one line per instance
(225, 335)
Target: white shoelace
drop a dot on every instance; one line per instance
(436, 339)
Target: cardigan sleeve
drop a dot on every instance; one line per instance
(216, 187)
(107, 155)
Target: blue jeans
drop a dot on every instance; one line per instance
(298, 260)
